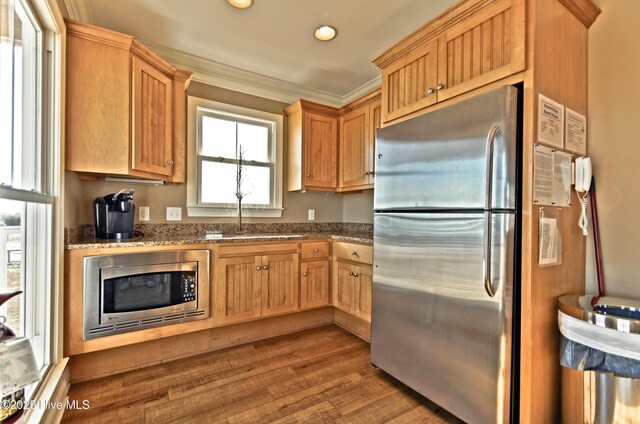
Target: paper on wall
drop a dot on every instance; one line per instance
(549, 242)
(550, 122)
(551, 177)
(576, 132)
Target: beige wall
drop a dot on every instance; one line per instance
(79, 194)
(614, 144)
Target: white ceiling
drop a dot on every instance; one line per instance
(268, 49)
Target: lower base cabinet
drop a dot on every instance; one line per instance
(314, 284)
(352, 289)
(254, 286)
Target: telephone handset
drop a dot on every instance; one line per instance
(582, 174)
(582, 182)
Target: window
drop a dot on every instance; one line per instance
(226, 142)
(27, 89)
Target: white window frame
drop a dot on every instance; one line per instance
(199, 107)
(48, 235)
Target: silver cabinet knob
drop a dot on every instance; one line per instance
(308, 175)
(350, 274)
(258, 268)
(354, 253)
(304, 274)
(316, 250)
(265, 267)
(355, 274)
(169, 162)
(430, 90)
(364, 173)
(439, 86)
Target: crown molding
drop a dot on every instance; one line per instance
(374, 84)
(79, 10)
(213, 73)
(217, 74)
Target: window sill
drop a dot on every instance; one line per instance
(201, 211)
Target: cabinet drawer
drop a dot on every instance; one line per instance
(353, 252)
(314, 250)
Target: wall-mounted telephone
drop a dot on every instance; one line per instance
(582, 178)
(582, 181)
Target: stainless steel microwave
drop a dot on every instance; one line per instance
(134, 291)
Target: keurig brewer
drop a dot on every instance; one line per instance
(113, 215)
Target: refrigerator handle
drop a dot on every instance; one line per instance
(486, 257)
(487, 214)
(488, 203)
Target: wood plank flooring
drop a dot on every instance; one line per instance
(316, 376)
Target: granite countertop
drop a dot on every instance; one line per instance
(185, 234)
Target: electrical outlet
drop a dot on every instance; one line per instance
(312, 215)
(174, 214)
(143, 213)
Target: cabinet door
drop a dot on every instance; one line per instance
(486, 47)
(279, 283)
(344, 287)
(152, 135)
(375, 119)
(320, 140)
(364, 275)
(239, 284)
(409, 83)
(314, 284)
(354, 148)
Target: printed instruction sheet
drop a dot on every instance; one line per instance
(551, 177)
(550, 122)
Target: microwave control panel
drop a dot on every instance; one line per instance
(189, 288)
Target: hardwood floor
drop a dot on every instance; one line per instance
(316, 376)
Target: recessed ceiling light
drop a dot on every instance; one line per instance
(240, 4)
(325, 33)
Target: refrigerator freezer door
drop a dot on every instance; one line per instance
(439, 160)
(434, 326)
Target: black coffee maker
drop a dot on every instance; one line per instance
(113, 215)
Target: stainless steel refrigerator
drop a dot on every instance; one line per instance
(446, 254)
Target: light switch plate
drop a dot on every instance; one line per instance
(174, 214)
(143, 213)
(312, 215)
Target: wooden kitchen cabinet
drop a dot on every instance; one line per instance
(467, 47)
(353, 289)
(312, 146)
(352, 279)
(314, 274)
(358, 123)
(125, 107)
(254, 281)
(409, 83)
(314, 284)
(279, 283)
(238, 289)
(152, 144)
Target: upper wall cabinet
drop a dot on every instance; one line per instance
(358, 124)
(126, 107)
(471, 45)
(312, 146)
